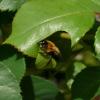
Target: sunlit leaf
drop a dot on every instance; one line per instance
(43, 20)
(10, 5)
(96, 1)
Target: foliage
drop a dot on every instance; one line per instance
(10, 5)
(49, 50)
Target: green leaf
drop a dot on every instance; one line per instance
(40, 88)
(78, 68)
(45, 62)
(91, 5)
(97, 2)
(10, 5)
(43, 20)
(86, 83)
(9, 87)
(13, 60)
(41, 61)
(44, 90)
(97, 42)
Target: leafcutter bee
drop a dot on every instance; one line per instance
(50, 48)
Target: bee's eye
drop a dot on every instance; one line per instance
(43, 43)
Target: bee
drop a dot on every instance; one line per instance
(50, 48)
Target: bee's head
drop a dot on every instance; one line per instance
(43, 44)
(50, 48)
